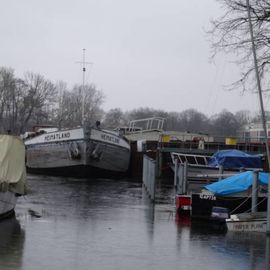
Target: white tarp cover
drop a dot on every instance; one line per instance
(12, 164)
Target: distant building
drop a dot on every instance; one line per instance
(253, 133)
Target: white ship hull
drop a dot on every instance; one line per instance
(247, 222)
(91, 152)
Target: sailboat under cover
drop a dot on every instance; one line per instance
(236, 183)
(12, 173)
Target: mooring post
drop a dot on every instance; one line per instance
(159, 162)
(267, 251)
(185, 173)
(176, 166)
(153, 181)
(254, 200)
(179, 185)
(268, 209)
(220, 171)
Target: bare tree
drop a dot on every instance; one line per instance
(93, 100)
(230, 34)
(172, 122)
(243, 117)
(193, 121)
(58, 113)
(142, 113)
(224, 124)
(115, 118)
(38, 94)
(70, 106)
(8, 100)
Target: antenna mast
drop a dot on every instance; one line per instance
(83, 86)
(83, 89)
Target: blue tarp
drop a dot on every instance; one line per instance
(237, 183)
(235, 159)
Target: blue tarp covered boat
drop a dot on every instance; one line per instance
(235, 159)
(237, 183)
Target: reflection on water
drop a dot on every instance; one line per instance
(105, 224)
(11, 244)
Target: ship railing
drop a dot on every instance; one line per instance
(192, 159)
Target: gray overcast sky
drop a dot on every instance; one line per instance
(145, 53)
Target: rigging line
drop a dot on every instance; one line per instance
(256, 205)
(246, 201)
(241, 204)
(217, 89)
(212, 88)
(260, 202)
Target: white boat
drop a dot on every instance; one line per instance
(247, 222)
(12, 173)
(79, 152)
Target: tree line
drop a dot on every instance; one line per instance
(33, 100)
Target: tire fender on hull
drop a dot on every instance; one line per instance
(74, 151)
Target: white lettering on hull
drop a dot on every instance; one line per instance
(248, 226)
(208, 197)
(72, 134)
(106, 137)
(57, 136)
(109, 138)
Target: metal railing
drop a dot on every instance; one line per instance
(209, 147)
(190, 178)
(189, 158)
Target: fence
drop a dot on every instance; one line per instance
(149, 176)
(190, 178)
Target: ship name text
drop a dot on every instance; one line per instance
(57, 136)
(109, 138)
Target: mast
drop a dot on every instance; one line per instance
(262, 109)
(84, 63)
(83, 89)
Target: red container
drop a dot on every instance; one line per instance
(183, 202)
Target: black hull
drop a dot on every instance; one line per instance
(202, 208)
(80, 171)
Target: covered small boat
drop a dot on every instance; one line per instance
(236, 183)
(242, 221)
(233, 193)
(233, 158)
(12, 173)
